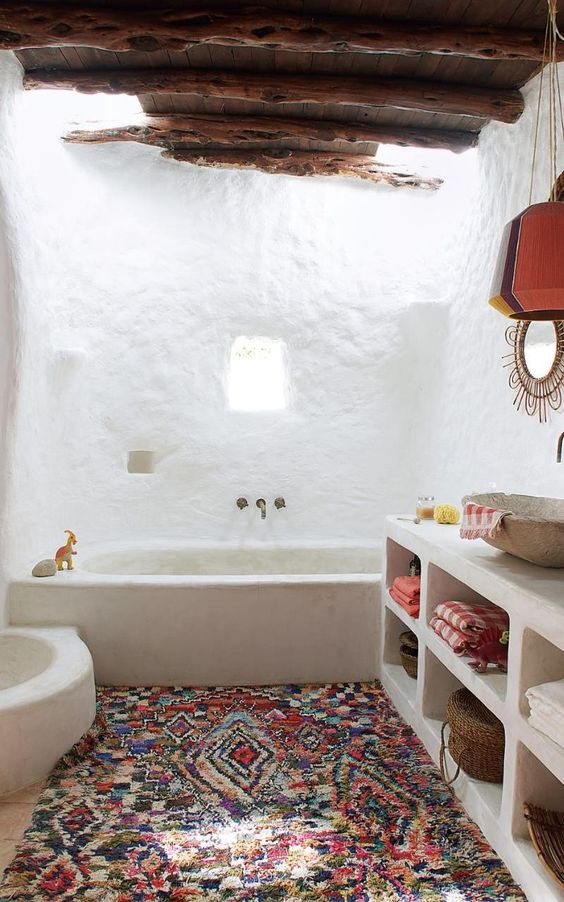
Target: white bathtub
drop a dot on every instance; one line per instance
(47, 701)
(169, 613)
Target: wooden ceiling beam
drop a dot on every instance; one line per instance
(504, 105)
(304, 163)
(237, 131)
(119, 28)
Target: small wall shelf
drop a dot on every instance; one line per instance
(452, 568)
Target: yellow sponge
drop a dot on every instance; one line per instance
(447, 513)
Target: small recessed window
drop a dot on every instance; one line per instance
(257, 378)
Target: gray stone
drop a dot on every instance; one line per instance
(47, 567)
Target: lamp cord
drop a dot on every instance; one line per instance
(537, 121)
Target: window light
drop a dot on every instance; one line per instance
(257, 378)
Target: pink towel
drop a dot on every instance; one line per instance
(409, 605)
(471, 617)
(458, 641)
(405, 599)
(409, 585)
(480, 522)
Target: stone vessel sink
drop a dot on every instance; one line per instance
(533, 531)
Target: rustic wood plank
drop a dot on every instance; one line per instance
(216, 130)
(410, 94)
(302, 163)
(41, 24)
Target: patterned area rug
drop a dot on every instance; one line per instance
(287, 793)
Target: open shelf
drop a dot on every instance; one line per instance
(542, 662)
(394, 626)
(526, 849)
(536, 784)
(534, 600)
(404, 684)
(439, 685)
(397, 561)
(442, 586)
(475, 791)
(544, 748)
(489, 687)
(392, 669)
(411, 623)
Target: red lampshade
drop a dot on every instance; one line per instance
(529, 277)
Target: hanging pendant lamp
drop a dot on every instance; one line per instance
(528, 281)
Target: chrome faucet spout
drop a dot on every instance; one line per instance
(261, 503)
(559, 449)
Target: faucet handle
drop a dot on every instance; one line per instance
(241, 503)
(279, 502)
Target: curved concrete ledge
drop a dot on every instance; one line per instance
(47, 701)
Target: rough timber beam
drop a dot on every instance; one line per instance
(203, 129)
(46, 24)
(304, 163)
(503, 105)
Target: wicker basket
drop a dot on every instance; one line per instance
(409, 660)
(547, 833)
(476, 741)
(409, 639)
(408, 652)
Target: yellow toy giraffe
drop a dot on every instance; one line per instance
(65, 552)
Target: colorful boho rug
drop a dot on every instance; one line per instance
(276, 794)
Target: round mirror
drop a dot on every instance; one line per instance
(536, 366)
(540, 348)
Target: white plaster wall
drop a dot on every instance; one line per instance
(136, 275)
(474, 434)
(9, 85)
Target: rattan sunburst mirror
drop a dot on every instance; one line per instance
(537, 366)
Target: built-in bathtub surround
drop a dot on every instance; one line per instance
(170, 613)
(47, 701)
(281, 793)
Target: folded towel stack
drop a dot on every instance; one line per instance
(406, 591)
(461, 623)
(547, 709)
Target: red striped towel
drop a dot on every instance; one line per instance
(469, 617)
(458, 641)
(480, 522)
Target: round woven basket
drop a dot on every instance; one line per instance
(476, 741)
(409, 639)
(409, 660)
(546, 829)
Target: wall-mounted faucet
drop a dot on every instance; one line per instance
(279, 503)
(559, 449)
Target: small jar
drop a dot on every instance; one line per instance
(425, 508)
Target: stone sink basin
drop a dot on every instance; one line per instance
(533, 531)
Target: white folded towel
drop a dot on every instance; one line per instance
(554, 731)
(546, 702)
(548, 712)
(548, 693)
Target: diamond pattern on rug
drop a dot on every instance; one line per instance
(280, 794)
(236, 760)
